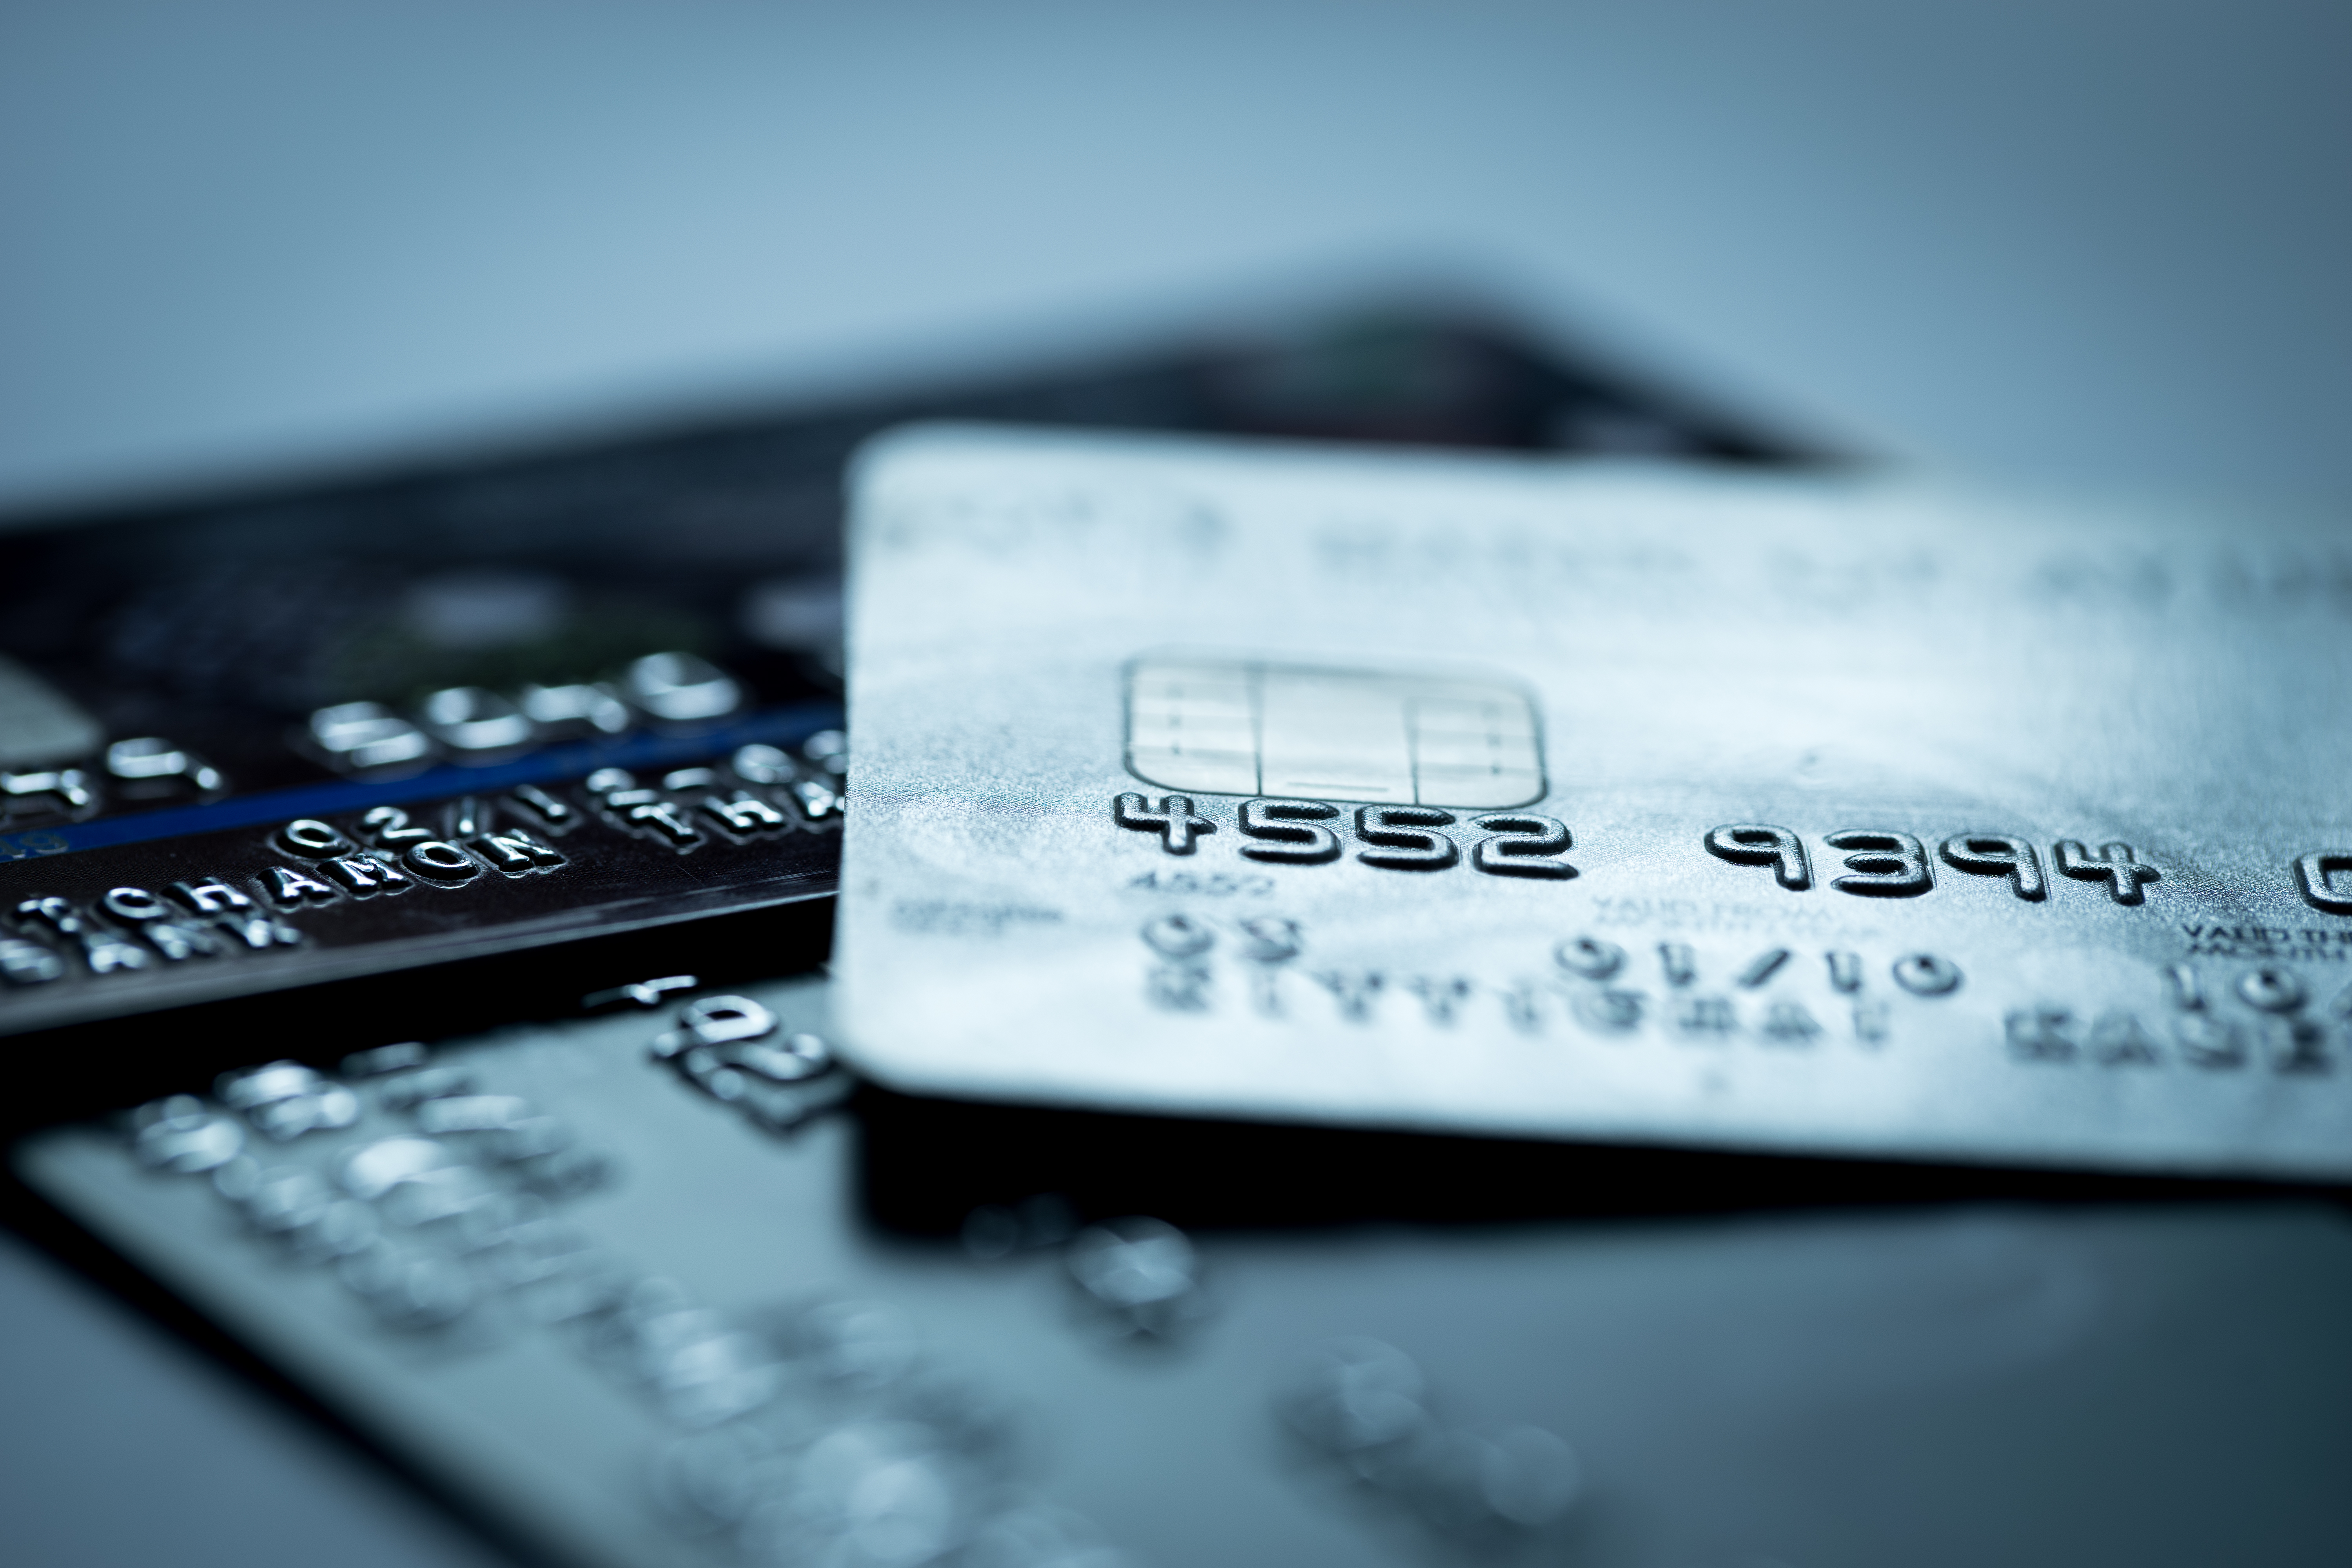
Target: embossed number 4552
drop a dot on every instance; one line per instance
(1395, 837)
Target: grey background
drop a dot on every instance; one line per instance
(2102, 241)
(2098, 244)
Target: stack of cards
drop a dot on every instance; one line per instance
(1300, 908)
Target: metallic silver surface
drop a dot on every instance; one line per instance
(1874, 818)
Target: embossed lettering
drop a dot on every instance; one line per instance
(1610, 1011)
(1178, 825)
(2273, 988)
(1679, 963)
(1287, 832)
(717, 1021)
(663, 819)
(176, 941)
(439, 861)
(1179, 982)
(2298, 1045)
(2118, 1040)
(2113, 865)
(1178, 987)
(313, 839)
(1845, 971)
(514, 853)
(388, 826)
(259, 932)
(1705, 1015)
(59, 791)
(1997, 855)
(819, 804)
(1885, 864)
(1401, 838)
(213, 897)
(1178, 936)
(1926, 974)
(133, 905)
(1590, 957)
(744, 815)
(556, 813)
(2315, 877)
(2039, 1034)
(2207, 1041)
(1270, 939)
(1269, 942)
(364, 876)
(51, 913)
(150, 765)
(1521, 844)
(1754, 844)
(1788, 1024)
(1353, 990)
(105, 954)
(287, 886)
(29, 963)
(1763, 967)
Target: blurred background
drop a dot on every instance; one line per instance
(2083, 245)
(2099, 243)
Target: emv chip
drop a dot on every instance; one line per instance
(1227, 726)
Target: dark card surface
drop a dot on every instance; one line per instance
(286, 738)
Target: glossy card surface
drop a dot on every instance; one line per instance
(1607, 801)
(632, 1311)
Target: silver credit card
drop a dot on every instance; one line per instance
(1840, 815)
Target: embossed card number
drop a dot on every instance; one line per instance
(1412, 747)
(1394, 837)
(1885, 863)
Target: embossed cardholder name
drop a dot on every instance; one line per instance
(1828, 815)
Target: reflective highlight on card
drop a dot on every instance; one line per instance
(1616, 801)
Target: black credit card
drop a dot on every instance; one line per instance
(272, 741)
(654, 1284)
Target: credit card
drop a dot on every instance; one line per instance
(1807, 813)
(350, 729)
(615, 1284)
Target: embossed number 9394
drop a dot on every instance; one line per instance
(1393, 838)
